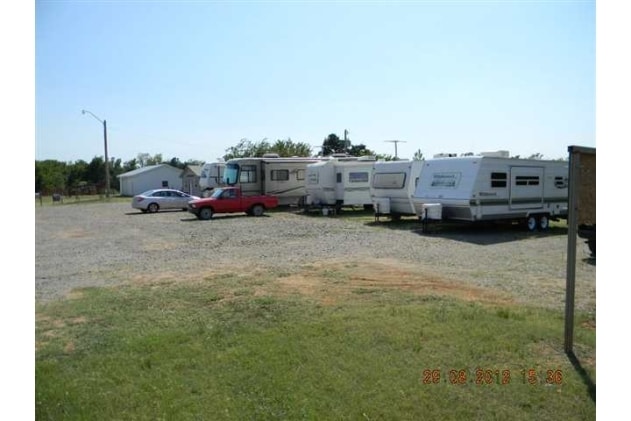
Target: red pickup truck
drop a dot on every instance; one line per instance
(230, 200)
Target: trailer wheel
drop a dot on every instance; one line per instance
(257, 210)
(205, 214)
(544, 222)
(531, 223)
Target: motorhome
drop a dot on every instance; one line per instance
(211, 177)
(339, 182)
(392, 187)
(493, 187)
(270, 175)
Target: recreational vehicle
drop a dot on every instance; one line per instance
(211, 177)
(392, 187)
(338, 182)
(492, 187)
(269, 175)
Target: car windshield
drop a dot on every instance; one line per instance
(217, 193)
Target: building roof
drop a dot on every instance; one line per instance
(146, 169)
(195, 169)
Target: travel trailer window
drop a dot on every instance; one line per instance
(498, 179)
(527, 180)
(339, 177)
(560, 182)
(389, 180)
(445, 179)
(248, 174)
(280, 175)
(300, 175)
(358, 177)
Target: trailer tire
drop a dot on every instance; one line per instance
(257, 210)
(205, 214)
(544, 222)
(531, 223)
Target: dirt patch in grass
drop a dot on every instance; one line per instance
(328, 282)
(331, 282)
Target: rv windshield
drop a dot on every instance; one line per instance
(231, 174)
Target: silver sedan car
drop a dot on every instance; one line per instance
(161, 199)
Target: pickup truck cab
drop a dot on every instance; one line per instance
(230, 200)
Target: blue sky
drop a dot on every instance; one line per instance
(190, 79)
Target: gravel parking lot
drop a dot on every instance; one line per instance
(111, 243)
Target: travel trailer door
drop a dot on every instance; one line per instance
(526, 188)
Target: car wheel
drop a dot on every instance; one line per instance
(257, 210)
(531, 223)
(205, 214)
(153, 207)
(544, 222)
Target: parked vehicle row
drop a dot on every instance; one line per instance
(222, 200)
(485, 187)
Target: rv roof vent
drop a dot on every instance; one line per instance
(339, 155)
(271, 155)
(445, 155)
(496, 154)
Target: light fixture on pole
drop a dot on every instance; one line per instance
(107, 161)
(396, 156)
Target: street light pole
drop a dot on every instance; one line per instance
(107, 161)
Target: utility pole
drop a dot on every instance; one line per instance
(107, 161)
(396, 155)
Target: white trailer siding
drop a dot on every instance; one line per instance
(320, 183)
(281, 177)
(339, 183)
(393, 185)
(488, 188)
(211, 175)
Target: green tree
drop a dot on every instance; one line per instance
(130, 165)
(144, 159)
(333, 144)
(287, 148)
(246, 148)
(359, 150)
(50, 176)
(385, 157)
(418, 156)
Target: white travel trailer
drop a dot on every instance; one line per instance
(211, 176)
(393, 186)
(491, 187)
(272, 175)
(338, 182)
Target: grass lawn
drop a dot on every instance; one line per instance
(248, 346)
